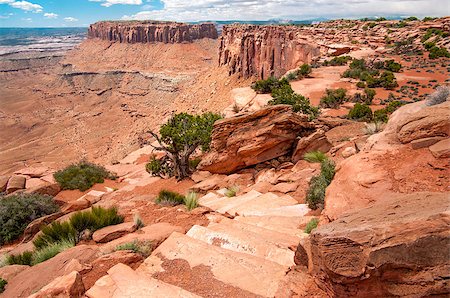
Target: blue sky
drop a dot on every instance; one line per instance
(73, 13)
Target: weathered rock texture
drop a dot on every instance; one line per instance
(247, 140)
(151, 31)
(264, 51)
(399, 247)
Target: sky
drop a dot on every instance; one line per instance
(81, 13)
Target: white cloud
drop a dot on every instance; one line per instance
(50, 15)
(25, 5)
(70, 19)
(182, 10)
(6, 1)
(29, 20)
(108, 3)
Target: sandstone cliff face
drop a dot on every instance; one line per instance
(151, 31)
(264, 51)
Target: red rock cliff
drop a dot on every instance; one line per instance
(151, 31)
(264, 51)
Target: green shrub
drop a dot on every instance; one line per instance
(49, 251)
(138, 222)
(393, 106)
(333, 98)
(267, 86)
(311, 225)
(3, 284)
(193, 163)
(82, 221)
(232, 191)
(338, 61)
(54, 233)
(17, 211)
(82, 176)
(24, 258)
(191, 201)
(386, 80)
(360, 112)
(315, 156)
(367, 97)
(285, 95)
(409, 19)
(380, 116)
(361, 84)
(305, 70)
(426, 19)
(436, 52)
(393, 66)
(143, 248)
(169, 198)
(315, 196)
(106, 217)
(429, 45)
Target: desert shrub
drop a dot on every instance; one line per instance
(17, 211)
(373, 128)
(143, 248)
(367, 97)
(193, 163)
(180, 136)
(361, 84)
(138, 222)
(51, 250)
(393, 66)
(267, 86)
(299, 103)
(3, 284)
(441, 95)
(429, 45)
(315, 196)
(232, 191)
(54, 233)
(360, 112)
(315, 156)
(338, 61)
(292, 75)
(25, 258)
(333, 98)
(82, 221)
(82, 176)
(305, 70)
(311, 225)
(393, 106)
(386, 80)
(169, 198)
(436, 52)
(426, 19)
(382, 115)
(191, 201)
(409, 19)
(106, 217)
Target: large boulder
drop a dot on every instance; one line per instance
(15, 183)
(398, 247)
(247, 140)
(70, 285)
(430, 121)
(3, 183)
(317, 141)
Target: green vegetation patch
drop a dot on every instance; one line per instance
(311, 225)
(315, 196)
(17, 211)
(169, 198)
(360, 112)
(82, 176)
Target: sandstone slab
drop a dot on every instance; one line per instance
(70, 285)
(110, 233)
(16, 182)
(441, 149)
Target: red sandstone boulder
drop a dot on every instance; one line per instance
(34, 227)
(70, 285)
(441, 149)
(316, 141)
(398, 247)
(3, 183)
(109, 233)
(34, 172)
(15, 183)
(247, 140)
(8, 272)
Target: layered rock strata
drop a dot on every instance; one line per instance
(264, 51)
(151, 31)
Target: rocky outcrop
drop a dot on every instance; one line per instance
(151, 31)
(264, 51)
(247, 140)
(399, 247)
(70, 285)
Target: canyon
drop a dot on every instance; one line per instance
(380, 231)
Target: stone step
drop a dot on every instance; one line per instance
(243, 241)
(208, 198)
(263, 202)
(122, 281)
(225, 204)
(281, 239)
(283, 224)
(286, 211)
(233, 202)
(209, 270)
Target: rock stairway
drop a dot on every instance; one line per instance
(247, 256)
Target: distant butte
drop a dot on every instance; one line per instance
(151, 31)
